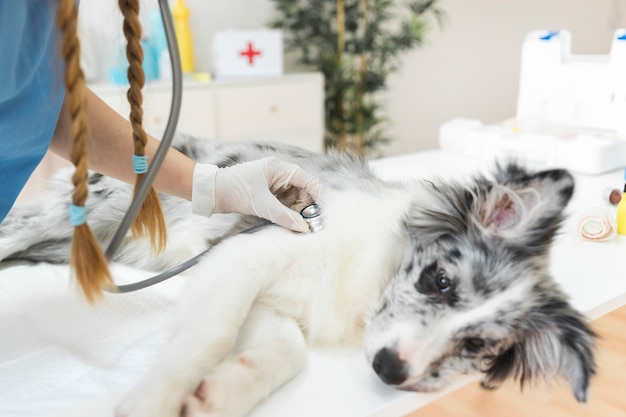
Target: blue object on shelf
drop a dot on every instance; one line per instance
(153, 48)
(550, 35)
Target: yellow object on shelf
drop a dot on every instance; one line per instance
(204, 77)
(183, 36)
(621, 215)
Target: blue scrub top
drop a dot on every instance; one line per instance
(31, 90)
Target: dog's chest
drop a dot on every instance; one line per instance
(332, 306)
(332, 287)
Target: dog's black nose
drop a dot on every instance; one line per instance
(389, 367)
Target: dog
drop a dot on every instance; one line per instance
(434, 279)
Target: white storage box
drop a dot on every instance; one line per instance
(571, 110)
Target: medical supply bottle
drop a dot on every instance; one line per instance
(621, 211)
(183, 36)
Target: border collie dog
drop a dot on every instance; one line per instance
(433, 279)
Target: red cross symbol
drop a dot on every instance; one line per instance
(250, 53)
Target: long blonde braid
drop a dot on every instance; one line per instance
(149, 220)
(86, 258)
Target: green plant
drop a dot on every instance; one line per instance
(356, 44)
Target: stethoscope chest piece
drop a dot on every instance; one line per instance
(312, 215)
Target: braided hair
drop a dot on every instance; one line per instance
(87, 259)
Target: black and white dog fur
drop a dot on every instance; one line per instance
(434, 279)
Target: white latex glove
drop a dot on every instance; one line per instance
(264, 188)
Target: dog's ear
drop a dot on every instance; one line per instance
(521, 208)
(525, 209)
(556, 342)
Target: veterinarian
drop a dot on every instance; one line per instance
(34, 117)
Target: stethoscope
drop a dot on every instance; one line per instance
(311, 214)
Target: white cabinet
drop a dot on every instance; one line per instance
(286, 109)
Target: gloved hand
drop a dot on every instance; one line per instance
(264, 188)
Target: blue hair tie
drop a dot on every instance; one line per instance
(140, 163)
(78, 215)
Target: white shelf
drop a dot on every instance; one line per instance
(288, 109)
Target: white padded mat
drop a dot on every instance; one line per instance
(57, 351)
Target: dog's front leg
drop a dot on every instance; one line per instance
(217, 301)
(271, 350)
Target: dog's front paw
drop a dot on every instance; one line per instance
(217, 397)
(149, 403)
(207, 401)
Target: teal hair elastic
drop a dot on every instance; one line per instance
(78, 215)
(140, 163)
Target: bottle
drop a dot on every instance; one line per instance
(621, 211)
(183, 36)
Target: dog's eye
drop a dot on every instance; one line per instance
(473, 344)
(435, 283)
(443, 282)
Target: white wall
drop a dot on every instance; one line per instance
(468, 68)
